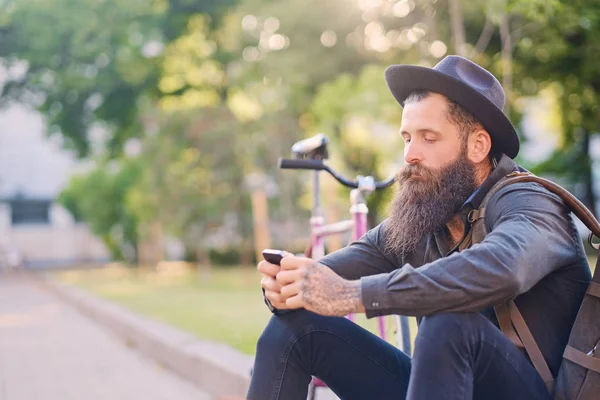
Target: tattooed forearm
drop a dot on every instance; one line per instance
(329, 294)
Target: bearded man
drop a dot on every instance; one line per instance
(458, 145)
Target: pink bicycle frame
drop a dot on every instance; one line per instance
(357, 225)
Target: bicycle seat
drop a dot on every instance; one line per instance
(314, 147)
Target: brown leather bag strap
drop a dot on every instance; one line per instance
(467, 241)
(510, 318)
(531, 347)
(594, 289)
(587, 361)
(506, 325)
(578, 208)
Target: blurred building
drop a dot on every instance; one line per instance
(34, 228)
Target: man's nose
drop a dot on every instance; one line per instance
(412, 153)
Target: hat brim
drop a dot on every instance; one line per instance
(402, 80)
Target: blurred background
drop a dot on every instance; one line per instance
(141, 137)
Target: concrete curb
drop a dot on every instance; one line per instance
(214, 367)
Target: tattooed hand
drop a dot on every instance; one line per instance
(307, 284)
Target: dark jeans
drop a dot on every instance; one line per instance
(457, 356)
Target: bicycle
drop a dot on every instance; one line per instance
(309, 154)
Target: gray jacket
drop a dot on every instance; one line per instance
(533, 254)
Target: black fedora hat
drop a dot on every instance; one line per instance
(465, 83)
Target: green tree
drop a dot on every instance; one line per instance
(362, 119)
(79, 70)
(561, 52)
(99, 198)
(91, 63)
(193, 180)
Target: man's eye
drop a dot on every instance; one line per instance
(429, 140)
(406, 139)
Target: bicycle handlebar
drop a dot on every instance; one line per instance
(316, 165)
(319, 165)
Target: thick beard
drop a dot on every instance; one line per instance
(425, 201)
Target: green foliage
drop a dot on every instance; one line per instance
(560, 51)
(362, 118)
(216, 91)
(227, 257)
(193, 177)
(98, 198)
(81, 70)
(90, 62)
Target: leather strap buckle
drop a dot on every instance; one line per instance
(474, 215)
(591, 242)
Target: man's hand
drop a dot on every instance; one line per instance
(304, 283)
(270, 285)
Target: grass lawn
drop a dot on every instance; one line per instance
(225, 306)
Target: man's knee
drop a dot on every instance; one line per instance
(442, 329)
(451, 322)
(282, 328)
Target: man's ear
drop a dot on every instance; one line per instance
(480, 144)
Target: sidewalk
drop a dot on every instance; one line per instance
(49, 351)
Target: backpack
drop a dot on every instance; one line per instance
(579, 374)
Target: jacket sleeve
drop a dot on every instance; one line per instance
(363, 257)
(531, 235)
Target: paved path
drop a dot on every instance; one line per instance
(49, 351)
